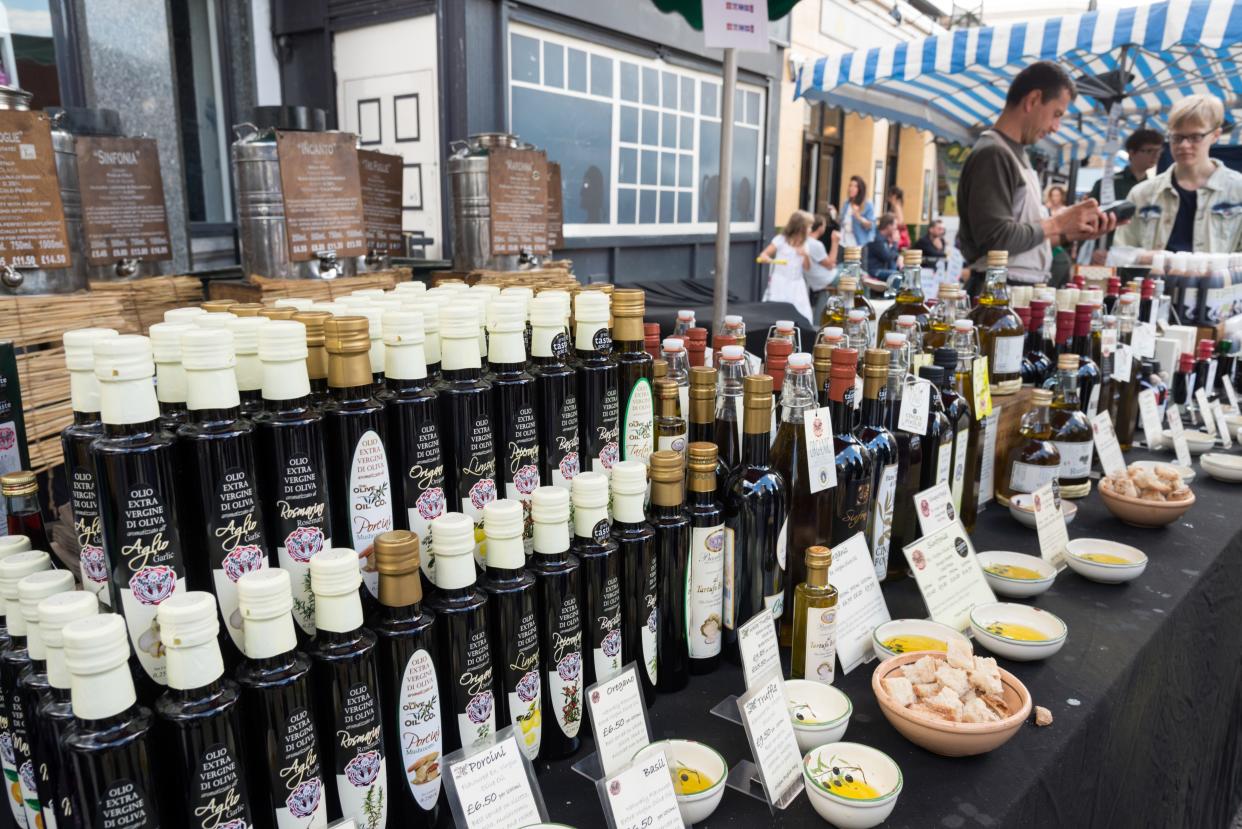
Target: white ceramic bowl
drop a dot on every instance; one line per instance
(1101, 571)
(1015, 588)
(875, 767)
(1196, 442)
(1018, 614)
(820, 713)
(704, 759)
(1022, 509)
(1187, 473)
(911, 627)
(1222, 467)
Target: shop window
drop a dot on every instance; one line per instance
(28, 51)
(205, 117)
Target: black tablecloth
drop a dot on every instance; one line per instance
(1146, 695)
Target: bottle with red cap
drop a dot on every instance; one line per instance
(779, 346)
(1088, 370)
(1205, 374)
(651, 339)
(1111, 293)
(696, 346)
(1147, 292)
(851, 501)
(1184, 381)
(1040, 344)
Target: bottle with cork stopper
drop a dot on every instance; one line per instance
(671, 523)
(636, 544)
(910, 299)
(705, 565)
(596, 394)
(814, 652)
(636, 412)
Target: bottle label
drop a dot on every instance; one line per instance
(476, 479)
(986, 473)
(418, 723)
(301, 519)
(87, 526)
(851, 505)
(651, 626)
(520, 466)
(1093, 402)
(1028, 477)
(639, 422)
(944, 462)
(234, 542)
(776, 604)
(1007, 354)
(606, 631)
(522, 677)
(476, 722)
(782, 543)
(606, 434)
(961, 443)
(215, 790)
(148, 570)
(563, 452)
(424, 492)
(565, 678)
(360, 777)
(124, 805)
(882, 523)
(705, 591)
(11, 779)
(25, 783)
(676, 442)
(727, 598)
(1075, 458)
(370, 503)
(820, 647)
(296, 775)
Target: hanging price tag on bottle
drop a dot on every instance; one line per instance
(1143, 340)
(1107, 446)
(1205, 411)
(1150, 415)
(1174, 416)
(915, 405)
(1222, 425)
(981, 389)
(1122, 363)
(821, 460)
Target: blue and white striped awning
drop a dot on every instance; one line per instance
(954, 84)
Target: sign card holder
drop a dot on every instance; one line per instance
(773, 744)
(493, 784)
(641, 795)
(618, 723)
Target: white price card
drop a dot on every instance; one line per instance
(618, 718)
(1174, 417)
(641, 796)
(1106, 444)
(821, 458)
(1143, 340)
(1122, 363)
(1205, 411)
(948, 575)
(1231, 393)
(1222, 425)
(915, 403)
(1149, 413)
(1050, 525)
(743, 26)
(934, 507)
(987, 475)
(761, 653)
(860, 602)
(493, 785)
(765, 715)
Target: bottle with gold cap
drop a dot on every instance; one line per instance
(814, 653)
(347, 696)
(705, 565)
(851, 497)
(597, 396)
(600, 564)
(360, 494)
(702, 414)
(847, 295)
(756, 509)
(636, 545)
(1034, 460)
(22, 510)
(316, 353)
(668, 517)
(1001, 334)
(634, 375)
(556, 388)
(885, 456)
(669, 424)
(292, 466)
(513, 612)
(1071, 431)
(221, 516)
(909, 298)
(406, 659)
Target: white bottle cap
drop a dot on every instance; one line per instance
(12, 570)
(550, 512)
(246, 333)
(892, 339)
(352, 301)
(124, 357)
(214, 320)
(186, 314)
(506, 315)
(459, 322)
(80, 344)
(335, 579)
(54, 613)
(300, 303)
(189, 625)
(629, 478)
(95, 645)
(429, 310)
(452, 535)
(166, 340)
(386, 303)
(732, 352)
(282, 341)
(10, 544)
(414, 286)
(503, 526)
(857, 314)
(799, 360)
(673, 344)
(590, 490)
(328, 308)
(907, 319)
(403, 327)
(733, 319)
(368, 292)
(486, 288)
(834, 332)
(685, 314)
(545, 312)
(453, 287)
(593, 306)
(784, 325)
(203, 350)
(265, 594)
(963, 325)
(31, 591)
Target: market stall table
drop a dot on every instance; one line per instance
(1146, 695)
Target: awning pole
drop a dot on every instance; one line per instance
(724, 207)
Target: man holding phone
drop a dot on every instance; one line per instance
(998, 195)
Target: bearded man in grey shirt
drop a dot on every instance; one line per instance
(999, 194)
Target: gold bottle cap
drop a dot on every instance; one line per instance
(396, 553)
(702, 377)
(21, 482)
(279, 313)
(213, 306)
(1067, 362)
(347, 335)
(659, 368)
(666, 389)
(910, 257)
(998, 258)
(757, 391)
(666, 467)
(628, 302)
(1041, 397)
(702, 394)
(314, 322)
(847, 283)
(853, 254)
(246, 309)
(818, 560)
(946, 291)
(875, 363)
(701, 461)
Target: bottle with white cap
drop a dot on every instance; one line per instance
(409, 693)
(514, 617)
(598, 409)
(293, 484)
(169, 375)
(222, 519)
(110, 746)
(730, 370)
(685, 321)
(560, 621)
(600, 580)
(138, 500)
(15, 658)
(414, 456)
(375, 331)
(54, 712)
(429, 308)
(347, 698)
(279, 738)
(247, 367)
(359, 487)
(183, 315)
(463, 637)
(198, 720)
(673, 352)
(556, 389)
(297, 303)
(513, 405)
(635, 542)
(75, 444)
(466, 408)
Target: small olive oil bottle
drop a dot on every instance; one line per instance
(815, 620)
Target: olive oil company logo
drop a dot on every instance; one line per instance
(363, 769)
(817, 429)
(242, 560)
(560, 345)
(431, 503)
(602, 341)
(479, 708)
(303, 801)
(823, 476)
(526, 479)
(826, 617)
(303, 543)
(614, 788)
(94, 563)
(569, 466)
(715, 541)
(153, 585)
(679, 445)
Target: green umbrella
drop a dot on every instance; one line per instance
(692, 10)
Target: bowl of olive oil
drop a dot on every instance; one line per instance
(699, 773)
(900, 636)
(1016, 575)
(851, 786)
(1109, 562)
(1017, 631)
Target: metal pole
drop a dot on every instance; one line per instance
(724, 207)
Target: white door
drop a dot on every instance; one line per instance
(386, 94)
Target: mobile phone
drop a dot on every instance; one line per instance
(1123, 210)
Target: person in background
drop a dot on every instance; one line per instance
(822, 274)
(931, 243)
(999, 195)
(787, 254)
(1054, 200)
(895, 203)
(1143, 151)
(882, 251)
(859, 214)
(1196, 204)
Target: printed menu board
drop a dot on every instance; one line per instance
(32, 218)
(556, 208)
(517, 189)
(123, 214)
(322, 193)
(381, 178)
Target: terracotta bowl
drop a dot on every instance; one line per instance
(1140, 513)
(951, 739)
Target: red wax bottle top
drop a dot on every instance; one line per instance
(1065, 326)
(721, 340)
(1186, 363)
(841, 375)
(778, 352)
(1206, 347)
(1147, 288)
(1082, 320)
(1114, 286)
(1024, 314)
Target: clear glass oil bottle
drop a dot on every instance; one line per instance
(814, 653)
